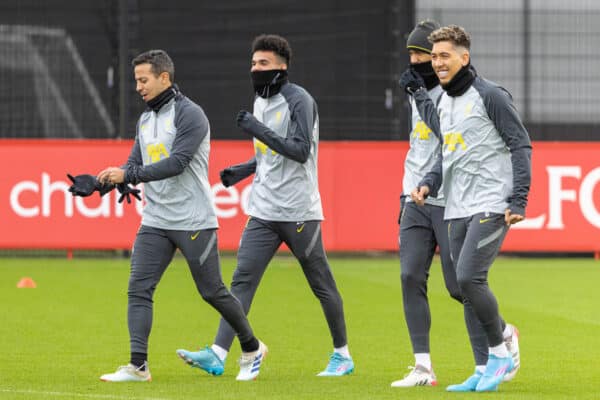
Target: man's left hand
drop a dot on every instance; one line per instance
(112, 175)
(511, 218)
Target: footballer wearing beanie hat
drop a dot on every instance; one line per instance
(417, 40)
(417, 43)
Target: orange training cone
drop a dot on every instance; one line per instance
(26, 282)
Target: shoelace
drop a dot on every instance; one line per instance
(247, 359)
(416, 371)
(412, 370)
(215, 358)
(334, 362)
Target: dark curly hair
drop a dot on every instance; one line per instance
(275, 43)
(451, 33)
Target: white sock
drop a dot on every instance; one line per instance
(480, 368)
(423, 359)
(500, 351)
(219, 351)
(508, 331)
(342, 351)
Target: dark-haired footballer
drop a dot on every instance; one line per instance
(284, 205)
(170, 156)
(485, 161)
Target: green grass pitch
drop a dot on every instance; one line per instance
(57, 339)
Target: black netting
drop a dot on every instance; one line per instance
(59, 61)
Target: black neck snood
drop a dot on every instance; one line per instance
(461, 81)
(163, 98)
(425, 70)
(268, 83)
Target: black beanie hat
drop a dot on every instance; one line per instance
(417, 40)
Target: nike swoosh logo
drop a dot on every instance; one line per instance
(484, 220)
(195, 235)
(300, 229)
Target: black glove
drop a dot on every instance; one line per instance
(411, 81)
(104, 188)
(84, 185)
(246, 121)
(127, 190)
(227, 177)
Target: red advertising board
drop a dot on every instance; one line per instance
(360, 185)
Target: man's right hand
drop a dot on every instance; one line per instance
(411, 81)
(419, 194)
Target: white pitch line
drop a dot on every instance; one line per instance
(83, 395)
